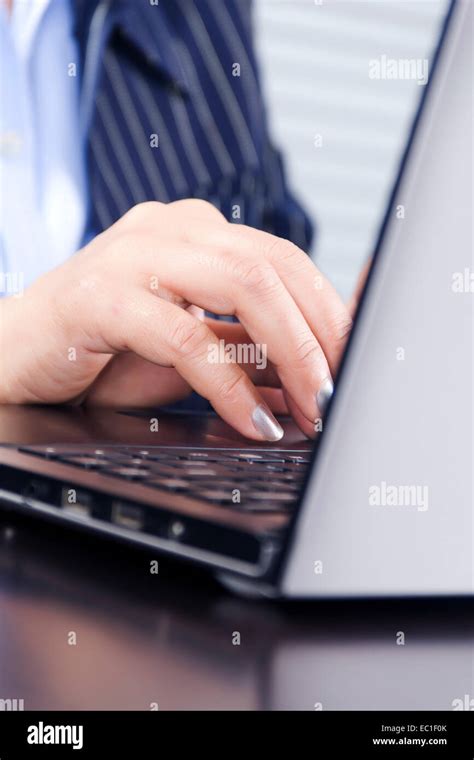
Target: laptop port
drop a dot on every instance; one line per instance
(176, 530)
(127, 516)
(76, 501)
(38, 489)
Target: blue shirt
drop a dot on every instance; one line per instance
(42, 168)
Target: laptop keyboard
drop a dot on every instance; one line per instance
(240, 479)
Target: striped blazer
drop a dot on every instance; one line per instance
(171, 108)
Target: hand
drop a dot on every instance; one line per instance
(118, 323)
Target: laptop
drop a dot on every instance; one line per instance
(381, 504)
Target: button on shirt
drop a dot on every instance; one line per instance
(43, 197)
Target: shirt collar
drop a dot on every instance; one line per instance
(26, 17)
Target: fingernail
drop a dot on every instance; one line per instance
(324, 394)
(266, 424)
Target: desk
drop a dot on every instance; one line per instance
(168, 638)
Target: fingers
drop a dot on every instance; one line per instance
(162, 333)
(237, 346)
(283, 303)
(319, 302)
(130, 381)
(306, 427)
(262, 374)
(236, 284)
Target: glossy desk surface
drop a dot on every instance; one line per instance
(171, 638)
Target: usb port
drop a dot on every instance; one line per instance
(128, 516)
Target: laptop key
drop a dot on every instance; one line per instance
(48, 452)
(169, 484)
(150, 454)
(256, 457)
(269, 495)
(199, 473)
(222, 497)
(85, 461)
(129, 473)
(165, 470)
(194, 464)
(268, 487)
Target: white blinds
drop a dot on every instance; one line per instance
(342, 131)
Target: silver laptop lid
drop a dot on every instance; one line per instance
(388, 509)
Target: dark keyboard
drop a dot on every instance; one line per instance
(246, 480)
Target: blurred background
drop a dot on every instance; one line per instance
(342, 132)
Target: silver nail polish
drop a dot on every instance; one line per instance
(266, 424)
(324, 394)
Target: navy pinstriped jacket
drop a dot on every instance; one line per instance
(167, 115)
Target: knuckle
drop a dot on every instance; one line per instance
(188, 338)
(257, 277)
(229, 388)
(342, 326)
(307, 350)
(202, 208)
(143, 212)
(286, 252)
